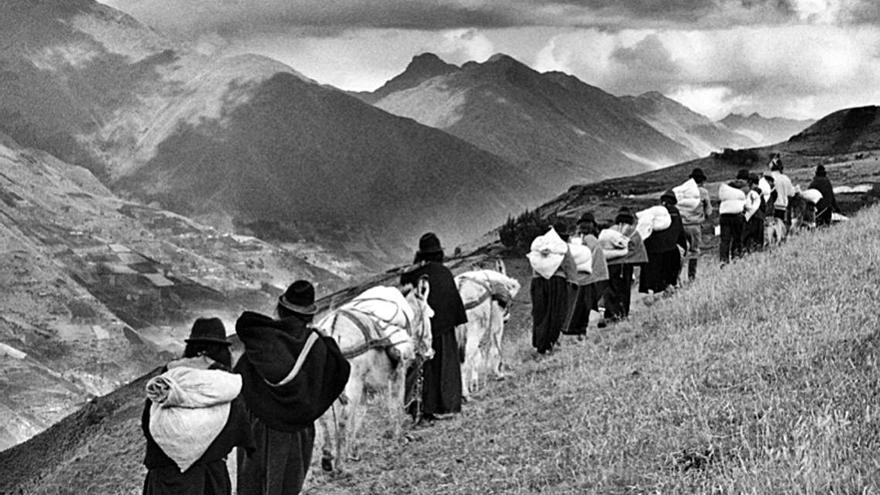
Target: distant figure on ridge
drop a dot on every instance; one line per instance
(665, 249)
(784, 191)
(755, 209)
(441, 375)
(290, 375)
(193, 418)
(693, 216)
(827, 205)
(732, 220)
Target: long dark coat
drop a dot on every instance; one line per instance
(441, 386)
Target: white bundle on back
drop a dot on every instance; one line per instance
(546, 253)
(812, 195)
(765, 188)
(655, 218)
(612, 239)
(733, 200)
(687, 195)
(582, 255)
(189, 409)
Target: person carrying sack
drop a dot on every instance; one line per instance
(291, 375)
(193, 417)
(694, 213)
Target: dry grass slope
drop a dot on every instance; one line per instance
(758, 378)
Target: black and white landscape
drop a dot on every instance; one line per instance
(165, 160)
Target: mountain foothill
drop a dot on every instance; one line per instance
(144, 183)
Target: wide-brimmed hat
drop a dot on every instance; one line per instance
(698, 175)
(429, 243)
(208, 330)
(624, 215)
(299, 298)
(587, 217)
(669, 197)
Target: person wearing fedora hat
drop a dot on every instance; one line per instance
(291, 374)
(693, 217)
(664, 250)
(298, 301)
(441, 375)
(586, 288)
(618, 292)
(827, 205)
(206, 350)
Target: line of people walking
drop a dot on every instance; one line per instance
(659, 240)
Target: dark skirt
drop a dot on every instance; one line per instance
(280, 462)
(661, 271)
(584, 298)
(549, 311)
(210, 478)
(619, 291)
(441, 376)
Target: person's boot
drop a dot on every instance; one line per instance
(692, 269)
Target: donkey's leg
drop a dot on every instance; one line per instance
(329, 433)
(395, 397)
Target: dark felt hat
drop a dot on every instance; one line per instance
(820, 171)
(208, 330)
(429, 244)
(299, 298)
(698, 175)
(624, 215)
(669, 197)
(587, 217)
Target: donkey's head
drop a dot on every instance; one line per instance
(420, 327)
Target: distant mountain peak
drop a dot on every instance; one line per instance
(428, 65)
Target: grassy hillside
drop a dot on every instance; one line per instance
(758, 378)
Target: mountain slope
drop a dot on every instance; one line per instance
(845, 131)
(682, 124)
(96, 289)
(552, 125)
(242, 142)
(762, 130)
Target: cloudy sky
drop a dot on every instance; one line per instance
(792, 58)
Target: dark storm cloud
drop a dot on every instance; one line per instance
(244, 16)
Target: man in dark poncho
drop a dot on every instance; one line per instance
(441, 385)
(827, 205)
(290, 376)
(206, 345)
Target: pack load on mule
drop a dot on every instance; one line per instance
(383, 333)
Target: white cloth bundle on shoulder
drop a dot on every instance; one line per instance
(812, 195)
(582, 255)
(687, 195)
(547, 252)
(655, 218)
(733, 200)
(612, 239)
(189, 409)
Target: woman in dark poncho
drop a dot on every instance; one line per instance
(441, 385)
(664, 252)
(207, 346)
